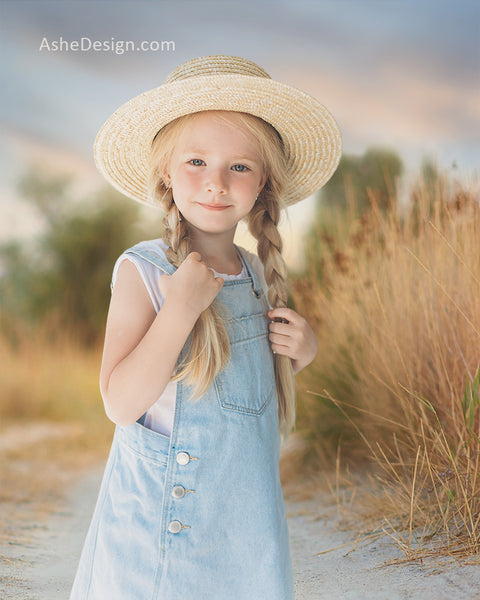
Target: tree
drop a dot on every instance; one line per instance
(64, 276)
(362, 178)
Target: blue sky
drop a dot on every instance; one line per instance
(396, 73)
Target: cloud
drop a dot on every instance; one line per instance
(400, 103)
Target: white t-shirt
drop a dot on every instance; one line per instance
(160, 416)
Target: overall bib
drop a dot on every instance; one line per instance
(199, 515)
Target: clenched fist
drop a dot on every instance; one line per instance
(193, 285)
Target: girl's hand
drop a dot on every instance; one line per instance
(193, 285)
(294, 338)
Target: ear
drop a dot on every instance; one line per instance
(262, 182)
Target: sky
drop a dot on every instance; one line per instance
(400, 74)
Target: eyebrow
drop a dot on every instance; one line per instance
(187, 150)
(197, 150)
(248, 157)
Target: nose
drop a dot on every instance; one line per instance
(216, 182)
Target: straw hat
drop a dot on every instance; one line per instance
(310, 135)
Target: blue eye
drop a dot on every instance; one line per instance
(239, 168)
(196, 162)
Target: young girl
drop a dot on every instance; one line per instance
(200, 349)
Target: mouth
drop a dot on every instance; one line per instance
(214, 206)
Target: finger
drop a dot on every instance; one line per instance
(279, 327)
(279, 349)
(288, 332)
(195, 256)
(283, 313)
(220, 281)
(281, 320)
(277, 338)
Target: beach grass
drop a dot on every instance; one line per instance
(394, 296)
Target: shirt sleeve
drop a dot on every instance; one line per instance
(149, 274)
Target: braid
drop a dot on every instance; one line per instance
(263, 226)
(209, 350)
(175, 236)
(263, 221)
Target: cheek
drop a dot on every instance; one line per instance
(247, 186)
(186, 180)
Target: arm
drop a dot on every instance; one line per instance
(141, 348)
(295, 339)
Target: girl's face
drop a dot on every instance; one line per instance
(216, 172)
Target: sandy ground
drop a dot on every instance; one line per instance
(360, 571)
(42, 566)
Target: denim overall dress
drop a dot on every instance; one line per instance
(198, 515)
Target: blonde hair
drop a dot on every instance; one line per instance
(210, 347)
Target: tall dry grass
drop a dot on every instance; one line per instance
(52, 424)
(396, 379)
(49, 377)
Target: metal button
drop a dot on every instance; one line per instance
(174, 526)
(178, 491)
(183, 458)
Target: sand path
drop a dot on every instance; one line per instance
(43, 567)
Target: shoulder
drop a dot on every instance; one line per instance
(142, 255)
(149, 259)
(147, 248)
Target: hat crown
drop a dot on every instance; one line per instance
(216, 65)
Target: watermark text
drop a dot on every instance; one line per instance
(86, 44)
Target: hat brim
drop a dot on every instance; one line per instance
(310, 135)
